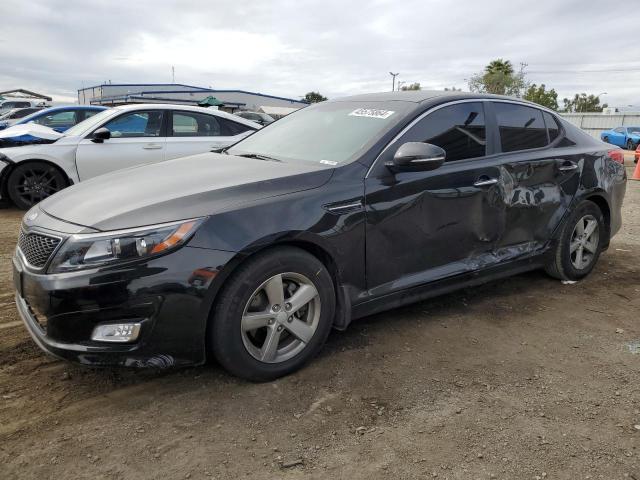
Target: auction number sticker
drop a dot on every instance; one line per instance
(371, 113)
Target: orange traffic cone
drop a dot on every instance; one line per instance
(636, 172)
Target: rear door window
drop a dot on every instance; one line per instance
(520, 127)
(459, 129)
(64, 118)
(193, 124)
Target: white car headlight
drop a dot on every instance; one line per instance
(97, 249)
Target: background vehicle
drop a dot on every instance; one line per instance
(112, 139)
(11, 103)
(59, 118)
(343, 209)
(10, 117)
(261, 118)
(625, 137)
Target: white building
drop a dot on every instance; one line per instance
(233, 100)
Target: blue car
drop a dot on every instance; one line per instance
(625, 137)
(57, 118)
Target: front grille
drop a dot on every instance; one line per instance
(37, 248)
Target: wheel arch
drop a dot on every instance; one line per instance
(309, 243)
(12, 165)
(604, 207)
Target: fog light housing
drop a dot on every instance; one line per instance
(116, 332)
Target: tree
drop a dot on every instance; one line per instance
(413, 86)
(499, 65)
(499, 78)
(452, 89)
(583, 103)
(313, 97)
(542, 96)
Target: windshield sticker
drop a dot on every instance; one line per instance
(371, 113)
(329, 162)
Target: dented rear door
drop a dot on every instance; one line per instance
(538, 181)
(424, 226)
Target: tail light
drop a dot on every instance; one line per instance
(616, 156)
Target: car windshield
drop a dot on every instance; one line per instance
(89, 123)
(328, 132)
(633, 129)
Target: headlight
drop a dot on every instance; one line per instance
(97, 249)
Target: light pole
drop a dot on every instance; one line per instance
(393, 84)
(598, 98)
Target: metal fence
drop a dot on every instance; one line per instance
(594, 123)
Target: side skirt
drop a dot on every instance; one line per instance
(444, 286)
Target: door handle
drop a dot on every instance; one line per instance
(485, 182)
(568, 167)
(152, 146)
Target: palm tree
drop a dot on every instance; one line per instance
(500, 65)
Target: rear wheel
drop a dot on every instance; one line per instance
(273, 315)
(32, 182)
(580, 243)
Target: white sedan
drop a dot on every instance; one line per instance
(116, 138)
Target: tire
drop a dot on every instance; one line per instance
(241, 346)
(32, 182)
(565, 264)
(630, 145)
(605, 139)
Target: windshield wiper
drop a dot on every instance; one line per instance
(259, 157)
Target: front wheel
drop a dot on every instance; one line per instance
(580, 243)
(32, 182)
(274, 314)
(630, 145)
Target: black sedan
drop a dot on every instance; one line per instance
(340, 210)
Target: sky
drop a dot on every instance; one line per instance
(290, 47)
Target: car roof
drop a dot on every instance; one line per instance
(72, 107)
(430, 96)
(190, 108)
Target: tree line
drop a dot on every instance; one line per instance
(500, 78)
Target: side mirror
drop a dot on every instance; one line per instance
(100, 135)
(418, 156)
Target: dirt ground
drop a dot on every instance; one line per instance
(524, 378)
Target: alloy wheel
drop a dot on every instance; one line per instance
(584, 242)
(37, 184)
(281, 317)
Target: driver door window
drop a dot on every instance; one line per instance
(459, 129)
(136, 124)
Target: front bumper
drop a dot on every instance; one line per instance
(169, 296)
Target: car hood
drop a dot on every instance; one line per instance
(177, 189)
(33, 129)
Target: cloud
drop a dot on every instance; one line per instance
(288, 47)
